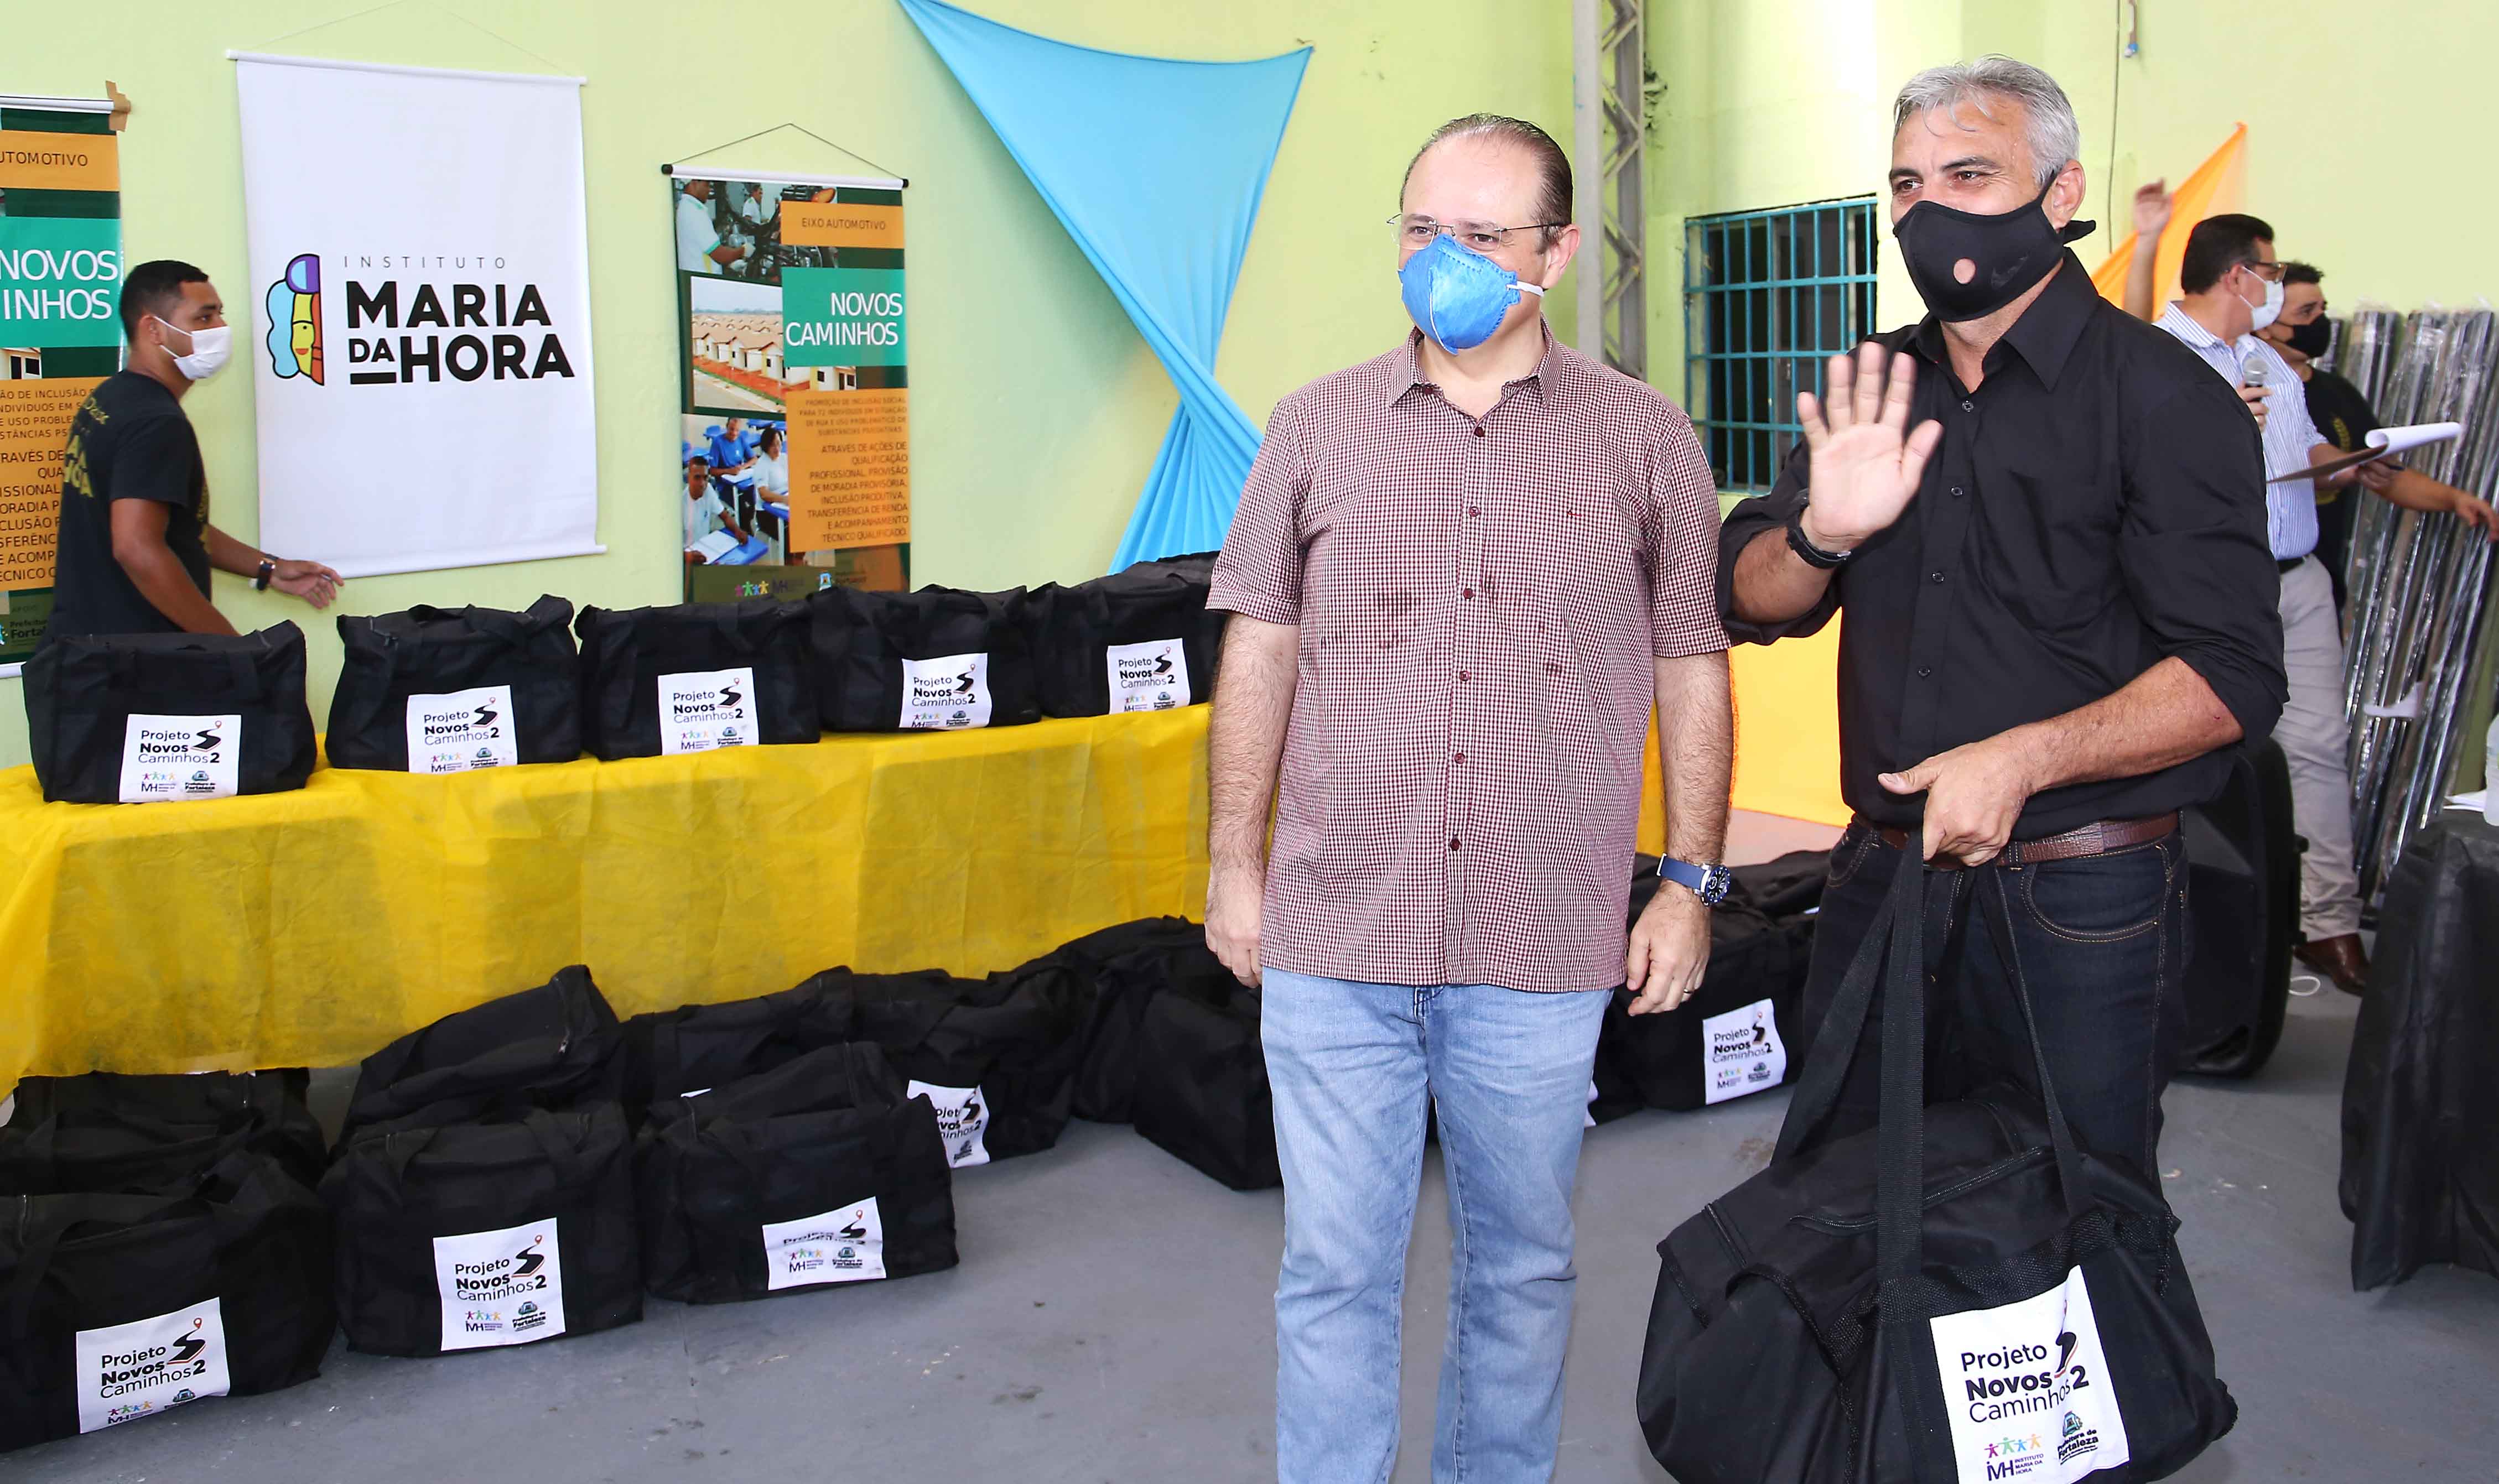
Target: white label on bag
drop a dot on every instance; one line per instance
(499, 1288)
(180, 757)
(1589, 1116)
(844, 1245)
(2028, 1390)
(963, 1121)
(126, 1372)
(1152, 676)
(1740, 1053)
(946, 695)
(700, 710)
(462, 729)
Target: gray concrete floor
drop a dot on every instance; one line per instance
(1110, 1322)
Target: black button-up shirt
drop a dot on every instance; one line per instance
(2097, 505)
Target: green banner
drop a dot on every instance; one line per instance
(842, 316)
(59, 282)
(61, 330)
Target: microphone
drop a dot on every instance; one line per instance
(2252, 370)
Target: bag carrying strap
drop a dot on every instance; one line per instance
(39, 1239)
(1818, 1087)
(237, 678)
(401, 1147)
(2061, 1135)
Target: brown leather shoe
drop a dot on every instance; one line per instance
(2339, 959)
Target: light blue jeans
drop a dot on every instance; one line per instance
(1352, 1066)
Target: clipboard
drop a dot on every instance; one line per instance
(2382, 443)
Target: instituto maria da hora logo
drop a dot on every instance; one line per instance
(492, 331)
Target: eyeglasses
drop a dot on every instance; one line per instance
(2271, 273)
(1417, 231)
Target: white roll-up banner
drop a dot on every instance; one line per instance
(417, 314)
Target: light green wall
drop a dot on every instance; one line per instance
(2352, 152)
(1036, 410)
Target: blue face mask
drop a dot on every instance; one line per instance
(1457, 296)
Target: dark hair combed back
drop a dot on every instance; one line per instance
(153, 288)
(2302, 273)
(1553, 201)
(2218, 244)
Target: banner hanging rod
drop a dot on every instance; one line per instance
(784, 176)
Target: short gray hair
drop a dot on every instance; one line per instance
(2055, 138)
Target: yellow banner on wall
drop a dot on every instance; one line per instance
(34, 434)
(840, 224)
(31, 160)
(850, 467)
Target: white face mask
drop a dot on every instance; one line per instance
(209, 350)
(2268, 312)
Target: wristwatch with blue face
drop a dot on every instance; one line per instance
(1709, 882)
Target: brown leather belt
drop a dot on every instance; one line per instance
(2094, 839)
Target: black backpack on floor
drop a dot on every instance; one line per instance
(154, 716)
(108, 1131)
(818, 1172)
(694, 677)
(466, 1235)
(1115, 973)
(1202, 1090)
(1914, 1301)
(1139, 640)
(500, 688)
(119, 1307)
(878, 660)
(551, 1047)
(996, 1056)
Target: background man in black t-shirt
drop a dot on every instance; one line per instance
(2301, 332)
(135, 544)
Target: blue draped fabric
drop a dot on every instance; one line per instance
(1155, 168)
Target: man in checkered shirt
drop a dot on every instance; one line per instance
(1459, 581)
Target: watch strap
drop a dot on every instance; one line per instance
(1804, 547)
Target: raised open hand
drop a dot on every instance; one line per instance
(2153, 204)
(1866, 460)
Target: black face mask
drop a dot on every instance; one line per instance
(2311, 339)
(2012, 251)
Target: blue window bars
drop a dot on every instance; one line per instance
(1767, 296)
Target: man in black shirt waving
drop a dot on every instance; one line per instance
(2047, 523)
(135, 544)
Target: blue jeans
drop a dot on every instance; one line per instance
(2102, 942)
(1352, 1066)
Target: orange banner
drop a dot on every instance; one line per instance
(59, 162)
(834, 224)
(2216, 186)
(850, 467)
(34, 430)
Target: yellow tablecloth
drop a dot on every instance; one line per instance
(313, 927)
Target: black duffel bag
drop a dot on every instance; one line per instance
(117, 1308)
(1137, 640)
(108, 1131)
(1115, 973)
(451, 690)
(995, 1056)
(695, 677)
(138, 719)
(1960, 1287)
(1202, 1089)
(464, 1236)
(937, 660)
(552, 1046)
(1733, 1036)
(673, 1053)
(818, 1172)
